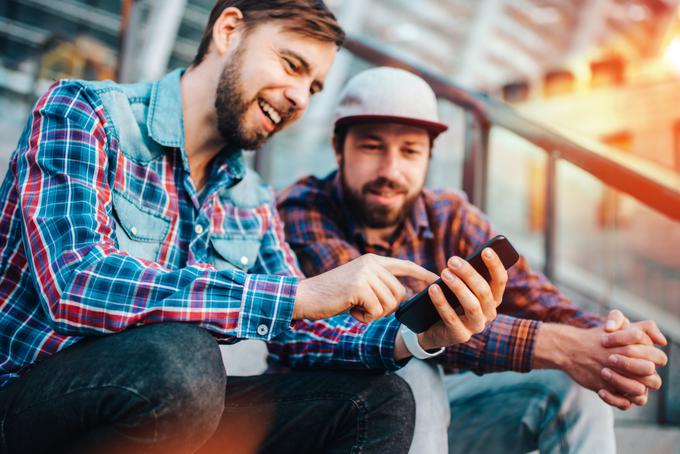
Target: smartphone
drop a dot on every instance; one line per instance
(418, 313)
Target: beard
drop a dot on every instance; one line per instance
(231, 107)
(375, 215)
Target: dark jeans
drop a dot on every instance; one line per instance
(161, 388)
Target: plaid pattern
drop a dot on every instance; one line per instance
(62, 274)
(321, 231)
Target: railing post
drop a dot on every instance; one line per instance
(475, 162)
(550, 226)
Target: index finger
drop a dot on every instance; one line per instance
(499, 276)
(650, 327)
(627, 336)
(406, 268)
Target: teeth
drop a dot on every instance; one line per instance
(273, 115)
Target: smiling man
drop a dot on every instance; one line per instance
(376, 202)
(132, 236)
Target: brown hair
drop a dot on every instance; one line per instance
(308, 17)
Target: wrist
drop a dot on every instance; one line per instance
(413, 345)
(551, 345)
(300, 298)
(426, 342)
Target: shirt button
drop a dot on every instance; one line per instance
(244, 261)
(198, 229)
(133, 230)
(262, 330)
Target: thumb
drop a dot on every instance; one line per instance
(615, 321)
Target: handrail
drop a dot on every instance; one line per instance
(649, 183)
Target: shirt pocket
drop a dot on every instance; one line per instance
(235, 252)
(139, 231)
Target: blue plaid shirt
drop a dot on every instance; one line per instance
(101, 228)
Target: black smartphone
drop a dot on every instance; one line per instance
(418, 313)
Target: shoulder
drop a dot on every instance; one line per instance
(450, 200)
(70, 99)
(452, 208)
(306, 191)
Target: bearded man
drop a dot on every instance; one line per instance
(376, 202)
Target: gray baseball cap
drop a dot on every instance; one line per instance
(389, 94)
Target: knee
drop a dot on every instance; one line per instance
(589, 407)
(427, 385)
(576, 402)
(183, 377)
(433, 413)
(390, 398)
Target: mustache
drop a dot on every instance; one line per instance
(384, 183)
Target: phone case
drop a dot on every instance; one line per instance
(418, 313)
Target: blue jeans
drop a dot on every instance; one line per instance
(161, 388)
(515, 413)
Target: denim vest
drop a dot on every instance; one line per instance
(145, 118)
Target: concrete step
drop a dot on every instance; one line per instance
(646, 439)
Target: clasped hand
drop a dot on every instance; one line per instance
(630, 368)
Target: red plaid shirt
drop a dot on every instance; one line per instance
(324, 235)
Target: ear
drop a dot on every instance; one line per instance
(227, 29)
(338, 152)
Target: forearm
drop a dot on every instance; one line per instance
(111, 291)
(339, 341)
(552, 346)
(506, 344)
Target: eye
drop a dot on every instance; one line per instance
(290, 64)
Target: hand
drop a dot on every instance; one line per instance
(580, 353)
(366, 286)
(623, 371)
(478, 297)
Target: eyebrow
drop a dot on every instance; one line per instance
(306, 68)
(370, 136)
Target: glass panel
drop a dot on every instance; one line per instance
(449, 149)
(515, 192)
(610, 248)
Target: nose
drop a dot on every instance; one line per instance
(389, 167)
(298, 95)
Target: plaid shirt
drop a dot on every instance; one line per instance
(322, 232)
(76, 175)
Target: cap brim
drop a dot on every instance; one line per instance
(432, 126)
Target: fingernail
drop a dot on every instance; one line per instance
(487, 252)
(611, 324)
(602, 394)
(455, 262)
(606, 373)
(614, 359)
(447, 275)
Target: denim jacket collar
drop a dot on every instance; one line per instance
(164, 119)
(165, 125)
